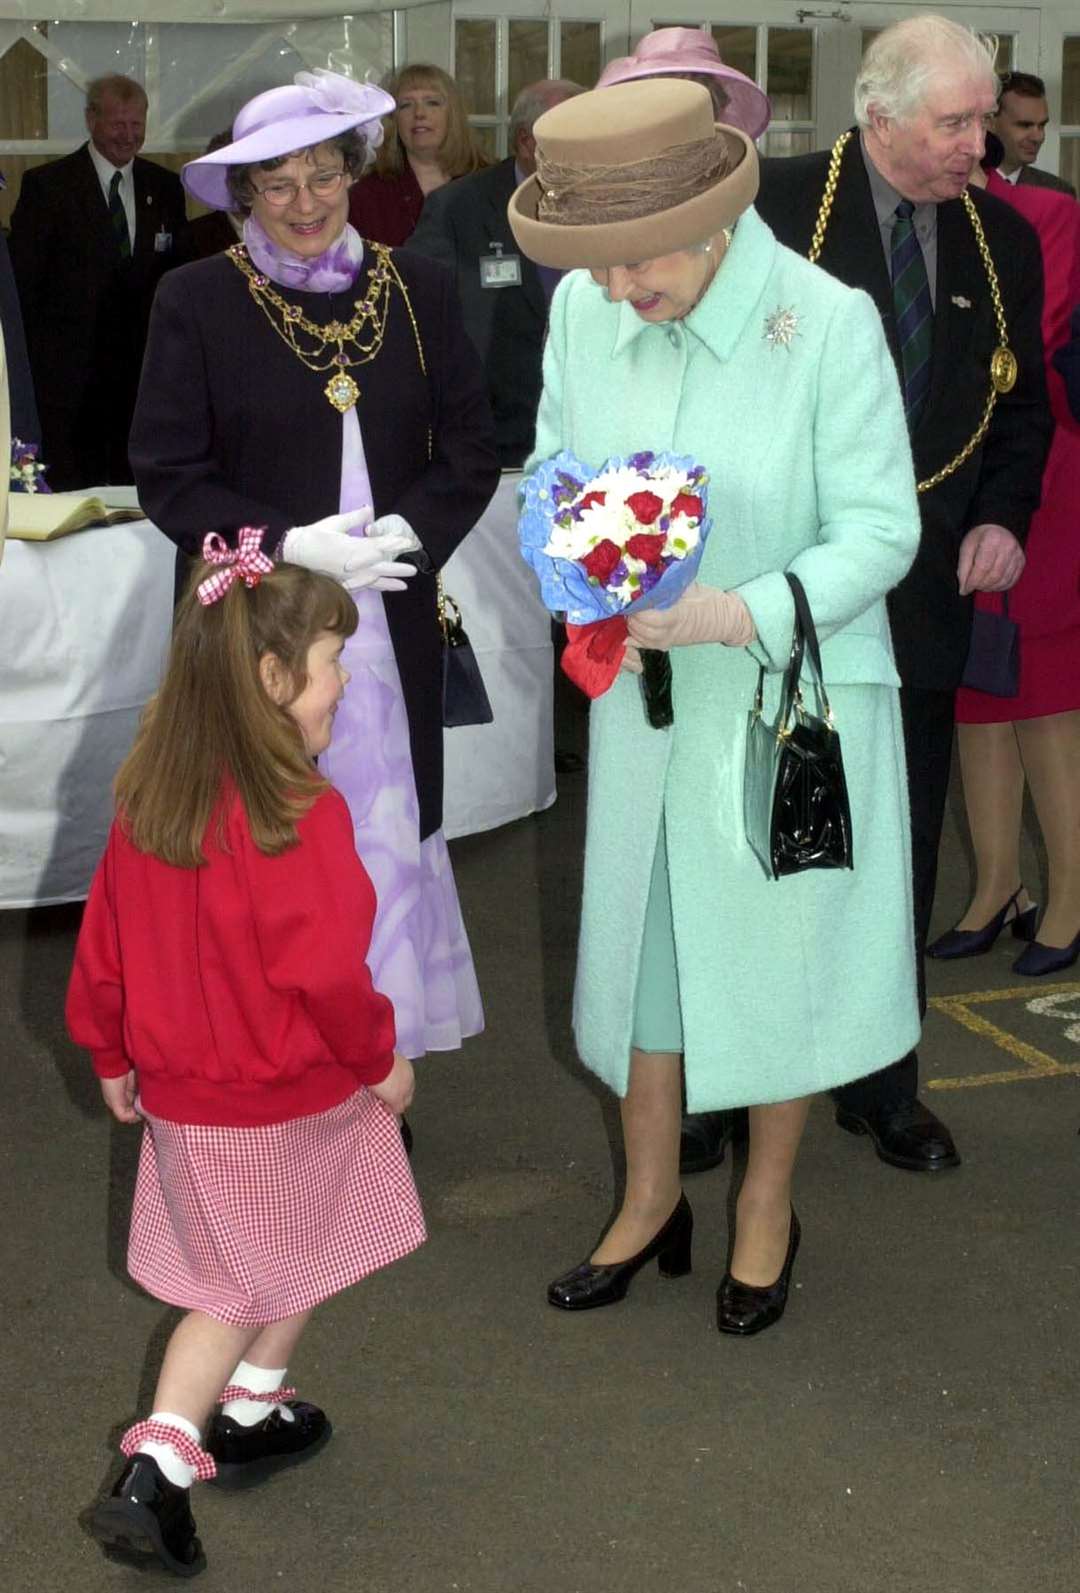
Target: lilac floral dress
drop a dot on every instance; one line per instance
(419, 954)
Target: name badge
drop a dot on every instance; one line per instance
(498, 270)
(162, 241)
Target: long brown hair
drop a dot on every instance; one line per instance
(459, 152)
(212, 722)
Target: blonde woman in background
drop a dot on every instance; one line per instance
(427, 142)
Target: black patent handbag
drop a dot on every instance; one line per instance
(795, 800)
(464, 696)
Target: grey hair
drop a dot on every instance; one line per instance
(902, 62)
(536, 98)
(124, 89)
(352, 145)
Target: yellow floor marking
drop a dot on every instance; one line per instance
(1039, 1064)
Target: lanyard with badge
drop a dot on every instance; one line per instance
(498, 270)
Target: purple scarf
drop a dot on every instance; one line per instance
(333, 271)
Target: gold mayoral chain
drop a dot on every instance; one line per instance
(1003, 366)
(323, 348)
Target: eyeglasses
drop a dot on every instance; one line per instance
(324, 185)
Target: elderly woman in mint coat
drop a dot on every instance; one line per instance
(731, 349)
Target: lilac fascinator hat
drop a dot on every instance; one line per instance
(666, 51)
(314, 107)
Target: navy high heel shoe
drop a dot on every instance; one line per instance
(743, 1308)
(1038, 959)
(974, 942)
(586, 1285)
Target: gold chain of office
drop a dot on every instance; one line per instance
(1003, 366)
(323, 348)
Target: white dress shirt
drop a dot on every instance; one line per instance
(106, 170)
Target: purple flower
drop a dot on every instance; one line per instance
(618, 574)
(649, 577)
(643, 461)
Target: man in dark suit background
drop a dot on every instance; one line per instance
(91, 236)
(923, 91)
(503, 295)
(1020, 122)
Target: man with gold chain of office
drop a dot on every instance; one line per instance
(957, 277)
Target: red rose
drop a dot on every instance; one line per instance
(601, 561)
(687, 503)
(592, 498)
(645, 506)
(646, 547)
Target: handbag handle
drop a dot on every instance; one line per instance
(806, 630)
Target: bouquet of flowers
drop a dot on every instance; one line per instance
(628, 536)
(27, 471)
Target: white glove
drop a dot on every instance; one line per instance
(395, 524)
(355, 561)
(702, 614)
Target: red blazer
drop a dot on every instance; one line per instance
(237, 991)
(386, 209)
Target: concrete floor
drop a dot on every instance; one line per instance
(911, 1424)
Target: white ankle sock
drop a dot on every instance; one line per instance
(176, 1470)
(260, 1380)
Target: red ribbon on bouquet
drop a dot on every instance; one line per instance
(593, 653)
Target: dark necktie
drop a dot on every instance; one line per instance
(118, 217)
(914, 310)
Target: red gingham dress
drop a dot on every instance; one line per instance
(252, 1225)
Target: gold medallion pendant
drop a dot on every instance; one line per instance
(342, 391)
(1003, 369)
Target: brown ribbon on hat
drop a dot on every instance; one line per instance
(579, 196)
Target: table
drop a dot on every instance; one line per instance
(84, 624)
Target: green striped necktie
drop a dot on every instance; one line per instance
(118, 217)
(913, 308)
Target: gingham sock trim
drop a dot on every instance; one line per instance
(276, 1396)
(161, 1433)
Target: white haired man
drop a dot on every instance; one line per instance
(91, 236)
(504, 296)
(903, 226)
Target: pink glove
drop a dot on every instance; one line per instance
(702, 614)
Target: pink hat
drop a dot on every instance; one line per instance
(666, 51)
(316, 106)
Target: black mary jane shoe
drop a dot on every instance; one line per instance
(905, 1134)
(956, 943)
(743, 1309)
(148, 1517)
(587, 1286)
(246, 1456)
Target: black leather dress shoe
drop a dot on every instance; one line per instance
(586, 1286)
(744, 1308)
(148, 1517)
(704, 1135)
(246, 1456)
(905, 1134)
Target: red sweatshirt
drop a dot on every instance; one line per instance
(237, 991)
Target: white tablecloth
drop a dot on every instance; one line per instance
(84, 623)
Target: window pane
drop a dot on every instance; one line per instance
(580, 52)
(738, 48)
(790, 73)
(23, 96)
(528, 56)
(487, 138)
(474, 65)
(868, 37)
(1070, 161)
(788, 143)
(1070, 83)
(1003, 60)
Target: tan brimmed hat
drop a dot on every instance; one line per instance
(630, 173)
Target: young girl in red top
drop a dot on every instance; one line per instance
(221, 987)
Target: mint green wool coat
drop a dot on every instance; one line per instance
(790, 986)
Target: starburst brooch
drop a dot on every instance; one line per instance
(781, 328)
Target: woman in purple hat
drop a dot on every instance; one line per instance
(692, 53)
(324, 390)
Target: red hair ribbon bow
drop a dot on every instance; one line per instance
(246, 562)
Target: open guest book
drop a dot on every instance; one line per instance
(43, 516)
